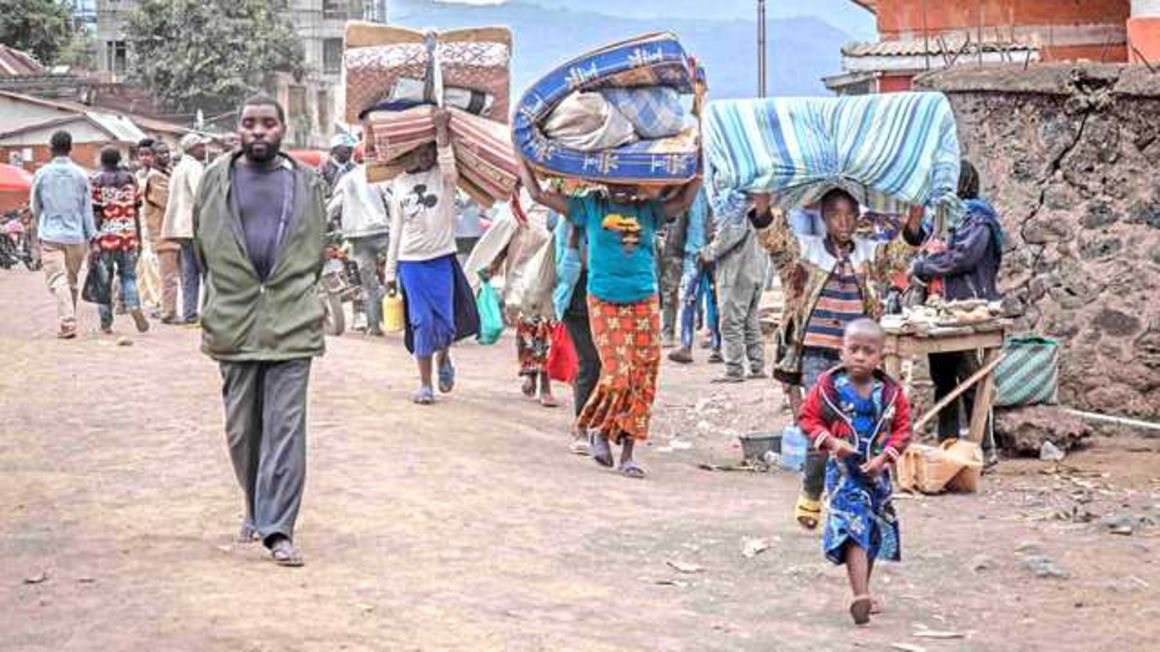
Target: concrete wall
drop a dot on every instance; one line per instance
(1144, 31)
(1065, 29)
(907, 15)
(86, 155)
(1070, 157)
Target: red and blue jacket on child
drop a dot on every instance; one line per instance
(825, 417)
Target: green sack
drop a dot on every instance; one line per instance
(1029, 374)
(490, 317)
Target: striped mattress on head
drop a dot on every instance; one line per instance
(890, 151)
(649, 60)
(483, 151)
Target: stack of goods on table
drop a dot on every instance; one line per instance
(889, 151)
(394, 78)
(944, 318)
(616, 115)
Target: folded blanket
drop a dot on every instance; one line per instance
(589, 123)
(413, 91)
(889, 151)
(483, 150)
(654, 111)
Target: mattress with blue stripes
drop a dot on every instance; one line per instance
(649, 60)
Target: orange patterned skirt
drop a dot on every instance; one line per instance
(627, 336)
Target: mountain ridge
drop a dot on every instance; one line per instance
(802, 49)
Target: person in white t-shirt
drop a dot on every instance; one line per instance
(421, 256)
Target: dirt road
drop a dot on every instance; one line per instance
(468, 526)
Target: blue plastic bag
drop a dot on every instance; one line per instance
(490, 317)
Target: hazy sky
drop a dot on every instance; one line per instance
(843, 14)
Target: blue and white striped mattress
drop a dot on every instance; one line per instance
(889, 151)
(650, 60)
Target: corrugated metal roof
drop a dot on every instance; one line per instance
(917, 48)
(15, 63)
(120, 127)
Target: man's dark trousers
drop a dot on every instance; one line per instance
(266, 430)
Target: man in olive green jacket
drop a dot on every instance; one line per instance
(259, 231)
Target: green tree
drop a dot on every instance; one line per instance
(41, 27)
(210, 54)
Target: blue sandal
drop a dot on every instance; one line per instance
(424, 396)
(446, 377)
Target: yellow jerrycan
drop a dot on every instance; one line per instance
(393, 315)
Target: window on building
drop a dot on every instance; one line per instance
(296, 100)
(332, 56)
(337, 9)
(324, 111)
(116, 57)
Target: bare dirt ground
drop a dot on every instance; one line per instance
(468, 526)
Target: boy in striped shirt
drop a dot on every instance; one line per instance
(829, 281)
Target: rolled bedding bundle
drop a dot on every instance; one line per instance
(615, 115)
(889, 151)
(395, 77)
(483, 152)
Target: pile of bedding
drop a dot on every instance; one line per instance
(616, 115)
(395, 77)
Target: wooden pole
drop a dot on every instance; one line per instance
(946, 400)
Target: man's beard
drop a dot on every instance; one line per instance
(264, 154)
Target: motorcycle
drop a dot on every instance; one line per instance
(16, 245)
(341, 283)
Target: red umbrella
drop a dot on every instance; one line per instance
(14, 179)
(310, 157)
(14, 186)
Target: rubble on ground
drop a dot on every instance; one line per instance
(1023, 431)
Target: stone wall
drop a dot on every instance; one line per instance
(1070, 156)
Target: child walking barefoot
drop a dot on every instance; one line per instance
(860, 416)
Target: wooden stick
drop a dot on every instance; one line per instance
(966, 384)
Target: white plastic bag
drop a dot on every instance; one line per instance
(531, 294)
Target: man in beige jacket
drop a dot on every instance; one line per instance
(154, 200)
(178, 230)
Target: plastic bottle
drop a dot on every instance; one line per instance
(794, 446)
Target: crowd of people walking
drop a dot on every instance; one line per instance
(636, 269)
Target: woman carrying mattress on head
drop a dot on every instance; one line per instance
(624, 309)
(421, 257)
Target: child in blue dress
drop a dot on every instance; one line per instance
(860, 416)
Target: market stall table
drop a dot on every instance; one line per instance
(989, 336)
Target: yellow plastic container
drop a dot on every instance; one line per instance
(393, 316)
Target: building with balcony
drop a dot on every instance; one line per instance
(311, 101)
